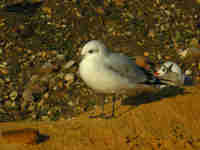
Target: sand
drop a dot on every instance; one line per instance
(171, 123)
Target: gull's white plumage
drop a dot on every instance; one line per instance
(108, 72)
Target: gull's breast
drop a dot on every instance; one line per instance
(100, 78)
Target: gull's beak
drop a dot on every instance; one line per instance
(156, 74)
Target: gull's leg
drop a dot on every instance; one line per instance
(102, 107)
(102, 102)
(113, 106)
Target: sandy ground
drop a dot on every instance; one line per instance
(166, 124)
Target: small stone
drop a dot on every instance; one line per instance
(3, 71)
(198, 78)
(182, 53)
(159, 57)
(60, 84)
(47, 10)
(194, 42)
(69, 64)
(198, 1)
(46, 95)
(1, 50)
(120, 3)
(47, 68)
(2, 110)
(60, 75)
(13, 95)
(167, 57)
(188, 72)
(151, 34)
(60, 56)
(45, 118)
(100, 10)
(8, 103)
(70, 103)
(146, 54)
(34, 78)
(173, 5)
(69, 77)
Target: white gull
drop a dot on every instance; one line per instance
(111, 73)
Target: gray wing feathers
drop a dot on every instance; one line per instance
(126, 67)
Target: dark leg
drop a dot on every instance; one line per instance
(102, 107)
(102, 102)
(113, 106)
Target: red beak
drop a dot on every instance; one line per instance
(156, 73)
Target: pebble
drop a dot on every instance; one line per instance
(198, 1)
(69, 77)
(1, 50)
(182, 53)
(146, 54)
(188, 72)
(70, 103)
(46, 95)
(1, 81)
(7, 79)
(69, 64)
(13, 95)
(61, 57)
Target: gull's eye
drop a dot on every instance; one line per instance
(164, 69)
(91, 51)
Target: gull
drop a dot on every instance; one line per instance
(107, 72)
(171, 73)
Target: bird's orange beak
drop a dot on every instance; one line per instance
(156, 74)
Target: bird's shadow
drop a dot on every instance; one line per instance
(146, 97)
(42, 138)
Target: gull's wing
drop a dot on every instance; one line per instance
(125, 67)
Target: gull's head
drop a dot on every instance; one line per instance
(94, 48)
(168, 67)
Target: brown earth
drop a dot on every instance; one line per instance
(167, 124)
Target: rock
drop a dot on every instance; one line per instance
(151, 34)
(198, 1)
(188, 72)
(146, 54)
(70, 103)
(100, 10)
(60, 56)
(47, 68)
(69, 77)
(69, 64)
(182, 53)
(13, 95)
(1, 82)
(46, 95)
